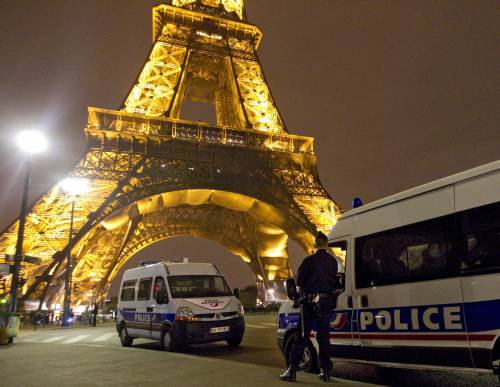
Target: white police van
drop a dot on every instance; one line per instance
(178, 304)
(422, 284)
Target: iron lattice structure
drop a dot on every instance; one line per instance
(244, 182)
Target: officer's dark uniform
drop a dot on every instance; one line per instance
(317, 275)
(94, 315)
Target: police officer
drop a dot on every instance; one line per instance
(95, 311)
(317, 279)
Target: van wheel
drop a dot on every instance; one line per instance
(233, 342)
(309, 362)
(170, 342)
(125, 339)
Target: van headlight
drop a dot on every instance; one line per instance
(185, 313)
(241, 311)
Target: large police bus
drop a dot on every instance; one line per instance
(422, 285)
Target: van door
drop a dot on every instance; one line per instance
(408, 295)
(341, 324)
(480, 242)
(144, 309)
(160, 311)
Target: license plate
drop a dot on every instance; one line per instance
(219, 329)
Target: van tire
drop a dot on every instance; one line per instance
(234, 342)
(310, 363)
(125, 339)
(170, 342)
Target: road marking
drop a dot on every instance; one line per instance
(92, 345)
(105, 337)
(52, 339)
(75, 339)
(254, 326)
(29, 339)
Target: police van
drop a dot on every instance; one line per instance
(422, 278)
(178, 304)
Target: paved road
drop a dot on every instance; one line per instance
(93, 356)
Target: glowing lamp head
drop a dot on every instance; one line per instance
(31, 141)
(356, 202)
(75, 186)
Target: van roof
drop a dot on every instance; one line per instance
(176, 268)
(190, 268)
(433, 185)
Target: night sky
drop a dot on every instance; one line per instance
(396, 93)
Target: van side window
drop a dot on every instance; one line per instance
(418, 252)
(128, 291)
(339, 249)
(159, 285)
(144, 292)
(480, 239)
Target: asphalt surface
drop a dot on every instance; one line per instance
(94, 357)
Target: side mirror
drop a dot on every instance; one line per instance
(340, 283)
(236, 293)
(291, 289)
(162, 297)
(341, 280)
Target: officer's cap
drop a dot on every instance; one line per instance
(321, 238)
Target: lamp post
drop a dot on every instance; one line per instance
(72, 186)
(31, 142)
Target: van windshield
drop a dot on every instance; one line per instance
(191, 286)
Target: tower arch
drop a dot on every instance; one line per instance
(254, 230)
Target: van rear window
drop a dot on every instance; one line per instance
(191, 286)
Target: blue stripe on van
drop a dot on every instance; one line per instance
(477, 316)
(288, 320)
(482, 315)
(147, 316)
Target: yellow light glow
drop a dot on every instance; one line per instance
(207, 35)
(229, 5)
(75, 186)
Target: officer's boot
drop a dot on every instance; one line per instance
(290, 375)
(324, 375)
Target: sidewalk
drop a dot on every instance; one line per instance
(109, 366)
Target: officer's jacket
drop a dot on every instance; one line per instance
(318, 273)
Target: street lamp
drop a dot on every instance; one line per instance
(30, 142)
(73, 186)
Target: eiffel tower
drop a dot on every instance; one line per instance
(246, 182)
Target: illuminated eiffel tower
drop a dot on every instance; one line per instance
(245, 182)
